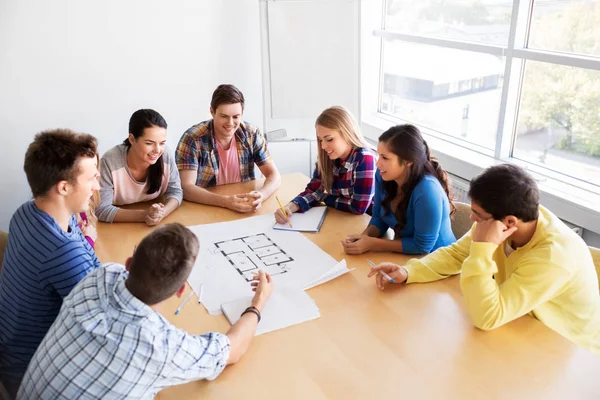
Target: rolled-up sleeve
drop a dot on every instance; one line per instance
(198, 357)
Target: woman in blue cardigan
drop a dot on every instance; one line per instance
(412, 196)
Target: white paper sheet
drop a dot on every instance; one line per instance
(338, 270)
(231, 251)
(309, 221)
(286, 307)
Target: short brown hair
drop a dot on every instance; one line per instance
(162, 263)
(506, 189)
(52, 157)
(226, 94)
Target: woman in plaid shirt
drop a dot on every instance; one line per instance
(345, 174)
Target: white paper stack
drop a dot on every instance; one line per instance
(286, 307)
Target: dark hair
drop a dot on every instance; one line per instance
(140, 120)
(52, 157)
(226, 94)
(406, 142)
(162, 263)
(506, 189)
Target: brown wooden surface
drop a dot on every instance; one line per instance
(406, 342)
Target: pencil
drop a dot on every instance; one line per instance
(386, 276)
(189, 296)
(283, 210)
(200, 295)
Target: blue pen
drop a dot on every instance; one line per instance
(386, 276)
(189, 296)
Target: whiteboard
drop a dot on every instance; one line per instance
(313, 53)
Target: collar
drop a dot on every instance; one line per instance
(240, 134)
(127, 303)
(345, 166)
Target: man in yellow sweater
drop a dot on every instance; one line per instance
(518, 258)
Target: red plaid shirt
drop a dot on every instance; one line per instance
(353, 184)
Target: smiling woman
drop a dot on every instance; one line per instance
(139, 169)
(412, 196)
(344, 176)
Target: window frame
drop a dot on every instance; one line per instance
(516, 54)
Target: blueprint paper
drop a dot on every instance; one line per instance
(231, 251)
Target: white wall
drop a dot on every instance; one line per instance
(316, 56)
(88, 65)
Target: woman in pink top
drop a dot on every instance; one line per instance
(139, 169)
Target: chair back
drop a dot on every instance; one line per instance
(461, 221)
(3, 242)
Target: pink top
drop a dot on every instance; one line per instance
(229, 164)
(119, 187)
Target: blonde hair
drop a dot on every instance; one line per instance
(340, 119)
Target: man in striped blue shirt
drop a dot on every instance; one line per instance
(46, 255)
(110, 342)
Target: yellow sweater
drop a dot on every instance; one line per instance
(553, 277)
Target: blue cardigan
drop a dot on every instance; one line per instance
(427, 217)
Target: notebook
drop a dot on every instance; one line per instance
(309, 221)
(286, 307)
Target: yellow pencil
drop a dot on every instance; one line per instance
(283, 210)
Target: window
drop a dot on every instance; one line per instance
(432, 86)
(517, 80)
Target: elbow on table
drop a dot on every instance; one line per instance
(103, 214)
(358, 209)
(188, 190)
(424, 246)
(486, 323)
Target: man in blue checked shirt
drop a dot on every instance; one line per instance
(109, 341)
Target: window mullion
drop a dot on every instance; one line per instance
(507, 118)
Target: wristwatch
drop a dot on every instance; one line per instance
(254, 310)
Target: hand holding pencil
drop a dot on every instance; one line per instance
(387, 272)
(284, 214)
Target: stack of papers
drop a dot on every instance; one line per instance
(286, 307)
(309, 221)
(338, 269)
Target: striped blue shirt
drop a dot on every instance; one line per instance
(108, 344)
(41, 265)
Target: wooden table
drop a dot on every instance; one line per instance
(409, 342)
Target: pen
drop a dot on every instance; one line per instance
(189, 296)
(200, 295)
(283, 210)
(386, 276)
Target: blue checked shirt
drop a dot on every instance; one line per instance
(107, 344)
(197, 151)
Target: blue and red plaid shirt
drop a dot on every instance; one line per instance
(353, 184)
(197, 151)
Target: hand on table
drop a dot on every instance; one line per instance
(357, 244)
(155, 214)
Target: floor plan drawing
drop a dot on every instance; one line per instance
(248, 254)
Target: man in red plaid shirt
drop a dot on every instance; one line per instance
(223, 150)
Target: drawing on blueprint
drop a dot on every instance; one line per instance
(248, 254)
